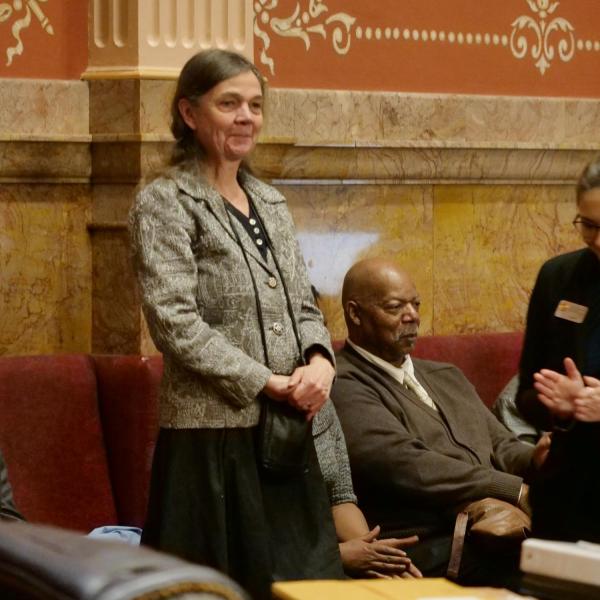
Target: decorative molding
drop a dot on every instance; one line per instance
(542, 38)
(424, 164)
(118, 226)
(57, 161)
(115, 163)
(20, 12)
(301, 24)
(543, 49)
(152, 39)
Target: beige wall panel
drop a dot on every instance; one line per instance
(36, 107)
(45, 269)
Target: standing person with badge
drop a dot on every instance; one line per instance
(559, 372)
(228, 302)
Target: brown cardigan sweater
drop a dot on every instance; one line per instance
(411, 465)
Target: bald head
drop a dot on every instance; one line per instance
(370, 277)
(381, 308)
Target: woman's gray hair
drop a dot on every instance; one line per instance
(201, 73)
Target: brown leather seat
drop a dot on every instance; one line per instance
(41, 562)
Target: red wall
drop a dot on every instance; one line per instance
(304, 55)
(52, 49)
(426, 65)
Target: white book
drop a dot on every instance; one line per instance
(569, 561)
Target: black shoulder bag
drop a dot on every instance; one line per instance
(284, 434)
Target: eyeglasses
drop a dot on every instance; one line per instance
(587, 229)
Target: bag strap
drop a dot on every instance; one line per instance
(283, 283)
(458, 542)
(255, 287)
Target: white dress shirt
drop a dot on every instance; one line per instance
(404, 374)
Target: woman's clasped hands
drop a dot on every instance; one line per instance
(569, 396)
(307, 388)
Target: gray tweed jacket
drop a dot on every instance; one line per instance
(198, 298)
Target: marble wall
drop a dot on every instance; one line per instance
(469, 193)
(472, 250)
(45, 252)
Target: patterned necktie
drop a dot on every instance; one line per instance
(412, 384)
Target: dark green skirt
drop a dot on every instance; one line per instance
(211, 504)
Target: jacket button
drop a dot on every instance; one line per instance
(272, 283)
(277, 328)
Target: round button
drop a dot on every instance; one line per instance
(272, 283)
(259, 242)
(277, 328)
(256, 230)
(252, 221)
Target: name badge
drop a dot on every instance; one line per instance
(570, 311)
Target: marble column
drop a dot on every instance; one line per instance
(136, 49)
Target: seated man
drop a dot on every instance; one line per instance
(420, 440)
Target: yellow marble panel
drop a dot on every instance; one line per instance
(338, 225)
(45, 269)
(111, 202)
(114, 106)
(116, 314)
(489, 242)
(155, 106)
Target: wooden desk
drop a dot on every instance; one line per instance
(383, 589)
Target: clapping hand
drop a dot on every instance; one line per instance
(587, 403)
(557, 391)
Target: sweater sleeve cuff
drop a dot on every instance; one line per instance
(505, 487)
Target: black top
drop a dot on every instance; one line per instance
(566, 492)
(253, 227)
(574, 277)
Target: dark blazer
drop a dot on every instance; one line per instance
(575, 277)
(199, 301)
(412, 465)
(566, 493)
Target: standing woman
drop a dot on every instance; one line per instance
(561, 354)
(228, 303)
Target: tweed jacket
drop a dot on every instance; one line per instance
(412, 465)
(199, 301)
(330, 446)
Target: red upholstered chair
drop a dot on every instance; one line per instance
(488, 360)
(52, 442)
(128, 401)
